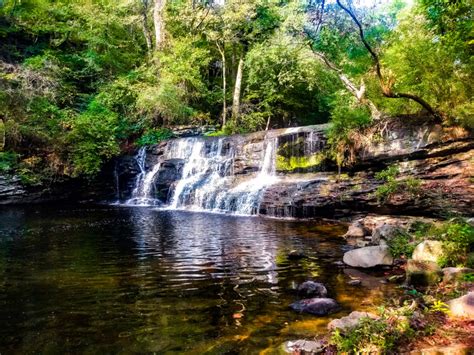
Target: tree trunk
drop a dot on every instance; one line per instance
(359, 93)
(146, 30)
(2, 135)
(268, 123)
(224, 85)
(387, 86)
(159, 23)
(237, 90)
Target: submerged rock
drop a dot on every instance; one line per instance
(350, 321)
(303, 347)
(368, 257)
(312, 289)
(422, 273)
(354, 282)
(462, 307)
(428, 250)
(316, 306)
(296, 255)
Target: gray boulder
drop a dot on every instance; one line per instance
(429, 250)
(462, 307)
(303, 347)
(350, 321)
(316, 306)
(368, 256)
(385, 231)
(312, 289)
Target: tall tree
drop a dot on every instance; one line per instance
(386, 84)
(159, 22)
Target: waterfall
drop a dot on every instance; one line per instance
(208, 182)
(143, 185)
(220, 174)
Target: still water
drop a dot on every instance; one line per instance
(126, 280)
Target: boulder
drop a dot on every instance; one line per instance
(296, 255)
(422, 273)
(453, 274)
(428, 250)
(356, 230)
(316, 306)
(462, 307)
(368, 257)
(385, 231)
(303, 347)
(312, 289)
(350, 321)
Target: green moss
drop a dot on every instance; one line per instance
(293, 163)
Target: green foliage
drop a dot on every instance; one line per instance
(439, 306)
(458, 239)
(8, 161)
(430, 54)
(373, 335)
(155, 136)
(468, 277)
(391, 185)
(457, 236)
(401, 244)
(78, 80)
(92, 138)
(279, 70)
(347, 115)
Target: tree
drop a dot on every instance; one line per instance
(386, 85)
(159, 22)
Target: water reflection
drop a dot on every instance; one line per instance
(114, 279)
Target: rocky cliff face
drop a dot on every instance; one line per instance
(440, 160)
(307, 185)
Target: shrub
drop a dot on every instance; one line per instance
(374, 336)
(8, 161)
(457, 236)
(393, 185)
(155, 136)
(401, 244)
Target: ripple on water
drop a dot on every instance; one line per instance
(114, 279)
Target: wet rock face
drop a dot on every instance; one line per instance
(11, 189)
(316, 306)
(441, 159)
(170, 172)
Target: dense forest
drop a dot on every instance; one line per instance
(81, 81)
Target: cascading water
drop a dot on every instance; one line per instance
(198, 173)
(141, 193)
(208, 183)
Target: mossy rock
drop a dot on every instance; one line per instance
(294, 163)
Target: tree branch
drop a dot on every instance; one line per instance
(386, 88)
